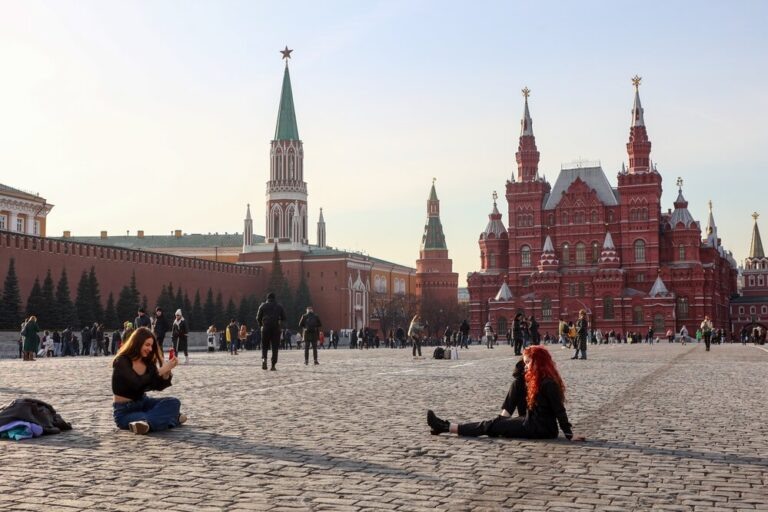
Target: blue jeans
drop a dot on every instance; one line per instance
(160, 413)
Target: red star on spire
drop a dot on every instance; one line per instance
(286, 53)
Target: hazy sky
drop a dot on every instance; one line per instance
(158, 115)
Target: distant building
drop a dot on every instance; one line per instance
(435, 279)
(583, 244)
(750, 309)
(22, 212)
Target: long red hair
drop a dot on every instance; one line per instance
(542, 367)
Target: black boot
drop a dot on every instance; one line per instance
(437, 425)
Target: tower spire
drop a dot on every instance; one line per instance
(433, 231)
(756, 246)
(286, 128)
(527, 155)
(321, 230)
(638, 147)
(248, 228)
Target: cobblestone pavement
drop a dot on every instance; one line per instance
(669, 428)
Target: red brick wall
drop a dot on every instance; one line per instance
(114, 267)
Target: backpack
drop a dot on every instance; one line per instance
(439, 353)
(312, 322)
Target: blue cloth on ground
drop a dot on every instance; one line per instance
(18, 430)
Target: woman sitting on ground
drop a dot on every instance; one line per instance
(138, 367)
(544, 397)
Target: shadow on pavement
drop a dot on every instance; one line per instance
(713, 457)
(227, 443)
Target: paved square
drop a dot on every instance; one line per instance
(668, 427)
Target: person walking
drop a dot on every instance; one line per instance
(179, 332)
(311, 325)
(270, 318)
(464, 330)
(211, 335)
(160, 326)
(582, 329)
(242, 338)
(490, 336)
(706, 331)
(683, 335)
(533, 326)
(415, 332)
(142, 320)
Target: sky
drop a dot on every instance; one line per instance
(157, 115)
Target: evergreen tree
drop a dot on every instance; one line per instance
(187, 308)
(49, 312)
(10, 309)
(209, 309)
(126, 305)
(83, 303)
(276, 278)
(67, 311)
(93, 285)
(243, 312)
(145, 304)
(219, 313)
(301, 300)
(165, 301)
(35, 303)
(198, 318)
(231, 310)
(178, 301)
(111, 320)
(135, 295)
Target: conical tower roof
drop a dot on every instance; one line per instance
(433, 231)
(248, 212)
(609, 258)
(286, 128)
(659, 289)
(548, 260)
(756, 246)
(495, 226)
(504, 294)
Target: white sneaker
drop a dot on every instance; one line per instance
(139, 427)
(186, 359)
(182, 419)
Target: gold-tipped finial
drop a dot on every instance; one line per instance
(526, 92)
(286, 53)
(679, 182)
(495, 197)
(434, 180)
(755, 215)
(636, 81)
(710, 205)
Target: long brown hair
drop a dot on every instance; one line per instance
(132, 347)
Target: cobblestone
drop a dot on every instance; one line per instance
(669, 428)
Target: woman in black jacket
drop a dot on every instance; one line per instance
(544, 397)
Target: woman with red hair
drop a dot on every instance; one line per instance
(544, 398)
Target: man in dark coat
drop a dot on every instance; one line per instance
(270, 318)
(142, 320)
(582, 329)
(160, 327)
(311, 324)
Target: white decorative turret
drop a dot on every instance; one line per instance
(505, 294)
(495, 226)
(712, 239)
(548, 260)
(609, 258)
(659, 289)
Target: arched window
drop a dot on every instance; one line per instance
(565, 218)
(595, 252)
(546, 309)
(751, 280)
(682, 308)
(608, 308)
(639, 251)
(501, 325)
(551, 219)
(610, 216)
(525, 256)
(581, 256)
(681, 252)
(637, 315)
(566, 257)
(658, 323)
(594, 216)
(491, 260)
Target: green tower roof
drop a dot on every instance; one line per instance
(286, 116)
(433, 235)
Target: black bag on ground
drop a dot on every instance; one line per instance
(439, 353)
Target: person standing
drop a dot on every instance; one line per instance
(415, 330)
(142, 319)
(706, 331)
(116, 339)
(232, 337)
(517, 334)
(179, 334)
(683, 335)
(490, 336)
(270, 318)
(242, 337)
(533, 325)
(311, 324)
(85, 334)
(160, 326)
(582, 328)
(464, 330)
(31, 339)
(66, 342)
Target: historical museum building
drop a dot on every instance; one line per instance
(750, 309)
(613, 251)
(435, 279)
(343, 286)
